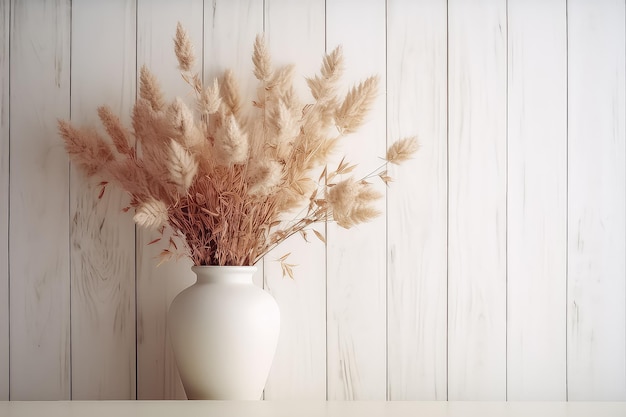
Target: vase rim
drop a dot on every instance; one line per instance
(231, 268)
(224, 266)
(225, 274)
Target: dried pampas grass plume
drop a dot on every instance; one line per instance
(181, 117)
(86, 148)
(209, 101)
(230, 93)
(183, 49)
(264, 178)
(152, 214)
(182, 166)
(149, 89)
(351, 202)
(402, 150)
(358, 102)
(117, 132)
(231, 147)
(324, 85)
(261, 59)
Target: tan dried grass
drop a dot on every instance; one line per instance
(227, 178)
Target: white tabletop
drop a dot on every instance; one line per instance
(308, 409)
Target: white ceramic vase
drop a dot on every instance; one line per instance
(224, 332)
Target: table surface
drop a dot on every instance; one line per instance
(308, 409)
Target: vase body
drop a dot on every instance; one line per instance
(224, 331)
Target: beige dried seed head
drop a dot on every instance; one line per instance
(231, 144)
(183, 47)
(149, 89)
(357, 104)
(351, 202)
(402, 150)
(182, 166)
(151, 214)
(261, 59)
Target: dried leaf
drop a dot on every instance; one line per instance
(282, 258)
(320, 236)
(323, 174)
(209, 212)
(386, 178)
(346, 169)
(165, 256)
(101, 193)
(287, 269)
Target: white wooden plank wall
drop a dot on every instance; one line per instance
(39, 230)
(417, 209)
(497, 270)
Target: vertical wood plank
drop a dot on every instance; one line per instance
(38, 231)
(4, 198)
(596, 313)
(102, 236)
(417, 201)
(226, 48)
(477, 200)
(537, 186)
(356, 264)
(157, 374)
(295, 31)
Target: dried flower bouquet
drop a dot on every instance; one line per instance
(227, 180)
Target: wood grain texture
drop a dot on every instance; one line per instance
(537, 186)
(596, 303)
(356, 266)
(38, 232)
(225, 48)
(102, 236)
(5, 15)
(157, 374)
(295, 31)
(477, 200)
(417, 201)
(4, 205)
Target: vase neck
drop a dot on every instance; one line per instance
(224, 274)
